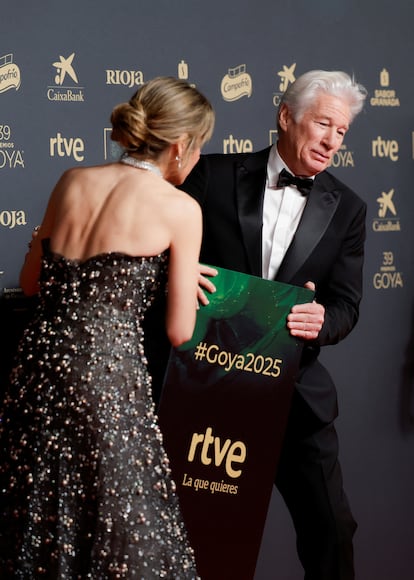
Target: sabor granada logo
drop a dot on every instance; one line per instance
(385, 96)
(9, 74)
(65, 92)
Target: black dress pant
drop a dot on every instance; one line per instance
(310, 480)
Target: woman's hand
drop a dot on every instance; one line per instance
(205, 284)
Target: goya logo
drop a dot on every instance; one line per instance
(9, 74)
(343, 158)
(10, 156)
(388, 277)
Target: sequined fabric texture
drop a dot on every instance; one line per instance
(86, 489)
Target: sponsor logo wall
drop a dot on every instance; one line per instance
(236, 84)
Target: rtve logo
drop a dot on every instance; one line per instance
(385, 148)
(64, 147)
(232, 145)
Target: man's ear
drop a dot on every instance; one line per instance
(284, 116)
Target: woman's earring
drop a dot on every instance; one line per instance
(178, 159)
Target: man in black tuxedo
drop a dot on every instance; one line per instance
(260, 223)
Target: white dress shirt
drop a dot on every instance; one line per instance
(282, 210)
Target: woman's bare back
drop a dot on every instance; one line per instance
(116, 208)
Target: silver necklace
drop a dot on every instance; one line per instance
(128, 160)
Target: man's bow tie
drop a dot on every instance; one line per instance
(304, 184)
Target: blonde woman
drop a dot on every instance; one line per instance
(85, 481)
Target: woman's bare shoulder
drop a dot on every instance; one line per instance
(180, 205)
(78, 178)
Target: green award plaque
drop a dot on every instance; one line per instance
(223, 413)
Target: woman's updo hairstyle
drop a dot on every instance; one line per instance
(159, 114)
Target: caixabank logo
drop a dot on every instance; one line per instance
(387, 219)
(66, 87)
(286, 76)
(10, 77)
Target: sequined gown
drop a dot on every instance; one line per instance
(86, 487)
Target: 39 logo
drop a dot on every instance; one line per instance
(9, 156)
(388, 277)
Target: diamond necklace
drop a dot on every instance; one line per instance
(128, 160)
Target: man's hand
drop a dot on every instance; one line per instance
(205, 284)
(306, 320)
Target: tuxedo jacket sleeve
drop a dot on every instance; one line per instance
(327, 248)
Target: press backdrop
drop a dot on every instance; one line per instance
(64, 65)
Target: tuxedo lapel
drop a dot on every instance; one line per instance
(250, 186)
(318, 213)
